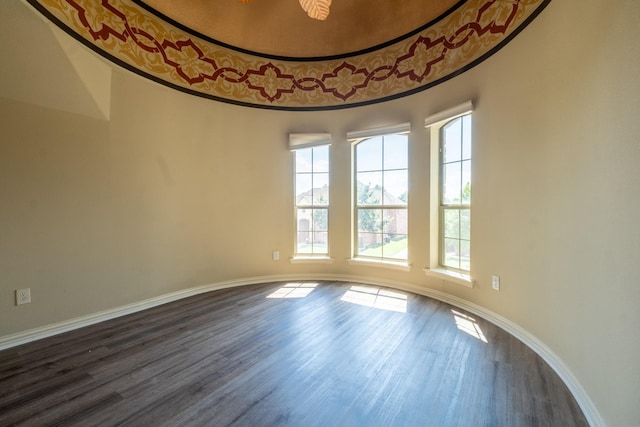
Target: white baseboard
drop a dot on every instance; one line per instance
(555, 362)
(50, 330)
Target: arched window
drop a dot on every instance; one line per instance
(381, 188)
(450, 194)
(455, 194)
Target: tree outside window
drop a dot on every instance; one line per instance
(381, 187)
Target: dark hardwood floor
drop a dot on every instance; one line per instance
(343, 355)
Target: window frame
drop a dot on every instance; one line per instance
(434, 123)
(365, 136)
(443, 206)
(311, 206)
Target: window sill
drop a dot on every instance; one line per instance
(311, 259)
(403, 266)
(450, 276)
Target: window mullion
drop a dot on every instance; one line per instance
(312, 214)
(453, 236)
(374, 217)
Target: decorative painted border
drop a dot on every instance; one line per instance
(133, 37)
(555, 362)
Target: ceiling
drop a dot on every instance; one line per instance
(282, 28)
(270, 54)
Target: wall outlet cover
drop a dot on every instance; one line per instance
(23, 296)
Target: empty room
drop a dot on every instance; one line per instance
(320, 213)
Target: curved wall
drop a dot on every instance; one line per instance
(173, 192)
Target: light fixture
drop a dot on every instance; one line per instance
(316, 9)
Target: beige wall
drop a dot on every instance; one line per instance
(170, 192)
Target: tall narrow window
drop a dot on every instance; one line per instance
(312, 200)
(450, 194)
(381, 185)
(455, 194)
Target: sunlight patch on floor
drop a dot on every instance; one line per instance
(468, 325)
(294, 290)
(376, 298)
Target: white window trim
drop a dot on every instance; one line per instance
(438, 119)
(450, 276)
(310, 259)
(434, 122)
(384, 263)
(298, 141)
(397, 129)
(354, 137)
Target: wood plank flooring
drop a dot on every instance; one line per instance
(343, 355)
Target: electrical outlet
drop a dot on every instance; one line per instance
(275, 255)
(495, 282)
(23, 296)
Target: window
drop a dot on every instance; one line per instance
(450, 195)
(455, 194)
(312, 201)
(380, 197)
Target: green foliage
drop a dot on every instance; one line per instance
(366, 194)
(320, 219)
(369, 220)
(466, 193)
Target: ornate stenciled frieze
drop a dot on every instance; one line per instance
(130, 35)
